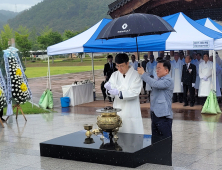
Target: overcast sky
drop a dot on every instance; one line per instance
(20, 4)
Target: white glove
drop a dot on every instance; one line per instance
(193, 84)
(108, 86)
(181, 83)
(114, 92)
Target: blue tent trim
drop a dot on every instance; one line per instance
(203, 21)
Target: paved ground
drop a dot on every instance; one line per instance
(197, 145)
(197, 139)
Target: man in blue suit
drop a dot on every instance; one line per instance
(160, 99)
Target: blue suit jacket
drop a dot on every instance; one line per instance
(161, 95)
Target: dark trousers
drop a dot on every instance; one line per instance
(1, 113)
(178, 96)
(144, 86)
(203, 100)
(161, 126)
(192, 93)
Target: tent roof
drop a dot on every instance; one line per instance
(189, 35)
(209, 23)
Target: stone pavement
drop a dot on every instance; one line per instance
(197, 145)
(197, 139)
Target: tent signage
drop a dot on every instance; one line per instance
(201, 44)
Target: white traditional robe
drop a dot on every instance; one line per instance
(176, 74)
(183, 61)
(130, 86)
(205, 70)
(197, 83)
(134, 65)
(218, 74)
(150, 69)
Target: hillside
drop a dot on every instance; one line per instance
(61, 15)
(5, 16)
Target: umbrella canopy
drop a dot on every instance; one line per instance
(134, 25)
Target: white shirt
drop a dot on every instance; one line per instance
(134, 65)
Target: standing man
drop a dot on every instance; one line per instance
(218, 74)
(134, 63)
(188, 81)
(109, 68)
(182, 58)
(144, 63)
(125, 85)
(177, 67)
(161, 99)
(205, 73)
(197, 83)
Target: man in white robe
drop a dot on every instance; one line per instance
(176, 74)
(197, 83)
(205, 73)
(134, 63)
(218, 73)
(219, 62)
(125, 85)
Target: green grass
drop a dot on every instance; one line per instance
(28, 109)
(32, 72)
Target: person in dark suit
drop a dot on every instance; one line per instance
(109, 68)
(188, 81)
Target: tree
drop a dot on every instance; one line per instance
(24, 45)
(23, 30)
(5, 36)
(49, 39)
(69, 34)
(33, 37)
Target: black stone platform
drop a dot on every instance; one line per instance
(131, 150)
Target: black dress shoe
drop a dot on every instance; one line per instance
(3, 120)
(110, 101)
(181, 101)
(185, 104)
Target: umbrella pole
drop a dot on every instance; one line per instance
(137, 50)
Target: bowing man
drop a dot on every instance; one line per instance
(205, 73)
(188, 81)
(125, 85)
(177, 66)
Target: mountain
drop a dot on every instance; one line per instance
(62, 15)
(5, 16)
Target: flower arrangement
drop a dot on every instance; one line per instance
(2, 98)
(19, 88)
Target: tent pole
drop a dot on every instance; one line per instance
(49, 74)
(93, 72)
(214, 71)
